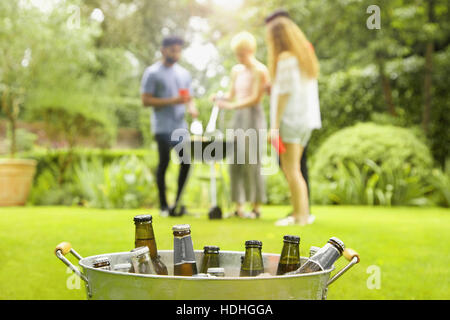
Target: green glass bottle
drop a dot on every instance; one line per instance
(253, 262)
(210, 258)
(145, 236)
(290, 255)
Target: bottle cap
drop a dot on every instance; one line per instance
(253, 243)
(215, 270)
(212, 249)
(201, 275)
(143, 218)
(139, 251)
(293, 239)
(102, 261)
(122, 266)
(337, 243)
(181, 227)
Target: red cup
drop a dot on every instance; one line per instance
(279, 145)
(183, 93)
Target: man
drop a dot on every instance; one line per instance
(160, 89)
(303, 161)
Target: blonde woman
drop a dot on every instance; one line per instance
(295, 111)
(248, 81)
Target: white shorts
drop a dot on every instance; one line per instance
(299, 136)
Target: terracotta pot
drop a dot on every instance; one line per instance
(16, 179)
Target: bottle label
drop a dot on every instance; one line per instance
(183, 250)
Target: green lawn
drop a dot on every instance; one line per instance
(410, 245)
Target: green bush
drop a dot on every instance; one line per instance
(54, 182)
(370, 185)
(127, 112)
(145, 128)
(382, 158)
(440, 180)
(47, 191)
(24, 139)
(125, 183)
(62, 161)
(277, 189)
(69, 116)
(346, 97)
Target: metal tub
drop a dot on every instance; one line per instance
(106, 285)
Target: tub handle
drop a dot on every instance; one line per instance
(64, 248)
(353, 257)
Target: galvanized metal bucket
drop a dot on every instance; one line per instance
(105, 285)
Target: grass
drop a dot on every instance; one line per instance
(409, 245)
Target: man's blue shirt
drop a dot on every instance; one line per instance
(164, 82)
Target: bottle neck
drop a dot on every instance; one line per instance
(183, 249)
(210, 260)
(145, 236)
(253, 259)
(290, 253)
(181, 234)
(145, 231)
(212, 257)
(327, 256)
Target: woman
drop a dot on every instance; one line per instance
(295, 111)
(248, 81)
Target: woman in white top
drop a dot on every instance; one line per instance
(294, 106)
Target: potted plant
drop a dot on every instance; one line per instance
(16, 175)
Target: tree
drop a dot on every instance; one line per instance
(17, 66)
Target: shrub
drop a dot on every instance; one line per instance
(373, 157)
(56, 159)
(370, 185)
(24, 139)
(71, 116)
(277, 189)
(127, 112)
(145, 128)
(125, 183)
(54, 182)
(47, 191)
(440, 180)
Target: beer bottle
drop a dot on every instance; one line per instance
(253, 262)
(140, 260)
(202, 275)
(144, 236)
(324, 258)
(290, 255)
(122, 267)
(183, 251)
(313, 250)
(103, 263)
(210, 258)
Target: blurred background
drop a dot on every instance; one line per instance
(70, 73)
